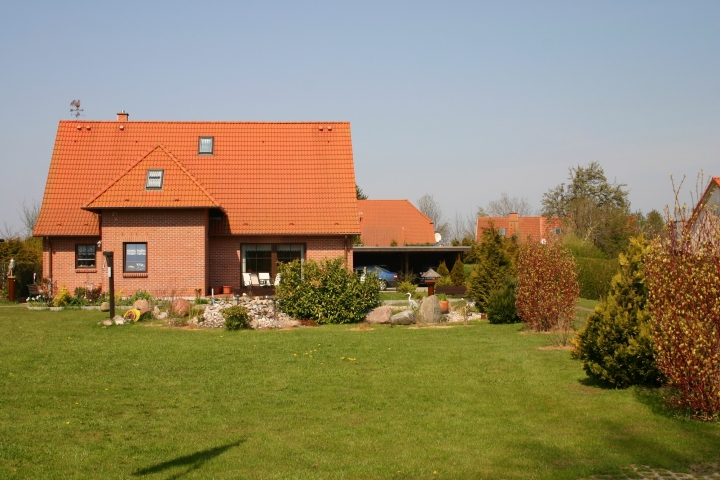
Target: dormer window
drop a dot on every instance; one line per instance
(154, 179)
(206, 146)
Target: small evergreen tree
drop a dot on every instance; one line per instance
(616, 346)
(442, 269)
(501, 304)
(457, 275)
(492, 267)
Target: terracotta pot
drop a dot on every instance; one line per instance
(226, 289)
(217, 290)
(444, 306)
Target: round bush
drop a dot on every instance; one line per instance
(236, 317)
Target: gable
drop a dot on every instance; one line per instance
(382, 221)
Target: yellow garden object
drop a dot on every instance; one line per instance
(132, 314)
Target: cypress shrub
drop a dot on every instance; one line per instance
(442, 269)
(501, 304)
(616, 346)
(492, 267)
(457, 275)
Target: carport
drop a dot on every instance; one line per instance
(407, 259)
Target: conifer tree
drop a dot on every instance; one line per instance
(616, 346)
(457, 275)
(443, 270)
(492, 267)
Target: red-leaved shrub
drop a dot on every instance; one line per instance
(683, 275)
(547, 288)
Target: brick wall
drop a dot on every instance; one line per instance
(63, 264)
(176, 249)
(225, 254)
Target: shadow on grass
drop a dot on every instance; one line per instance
(192, 461)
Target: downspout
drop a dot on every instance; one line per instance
(346, 252)
(50, 264)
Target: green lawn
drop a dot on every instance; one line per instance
(81, 401)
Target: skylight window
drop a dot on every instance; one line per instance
(154, 179)
(206, 145)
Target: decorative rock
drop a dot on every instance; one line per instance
(429, 310)
(156, 311)
(105, 307)
(181, 307)
(141, 305)
(119, 321)
(107, 323)
(403, 318)
(161, 315)
(379, 315)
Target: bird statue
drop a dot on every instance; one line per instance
(413, 304)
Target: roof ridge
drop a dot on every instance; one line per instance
(234, 122)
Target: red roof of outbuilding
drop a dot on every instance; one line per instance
(382, 221)
(269, 178)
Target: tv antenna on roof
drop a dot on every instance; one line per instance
(75, 111)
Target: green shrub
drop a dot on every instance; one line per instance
(492, 267)
(141, 295)
(501, 304)
(406, 287)
(616, 346)
(201, 301)
(445, 281)
(442, 269)
(457, 275)
(63, 297)
(594, 276)
(236, 317)
(326, 292)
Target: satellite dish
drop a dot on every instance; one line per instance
(438, 237)
(543, 241)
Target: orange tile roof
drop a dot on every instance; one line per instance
(531, 228)
(179, 190)
(270, 178)
(382, 221)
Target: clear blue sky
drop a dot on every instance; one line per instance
(463, 100)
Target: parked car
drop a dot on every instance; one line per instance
(386, 277)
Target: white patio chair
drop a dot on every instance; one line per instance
(277, 280)
(255, 281)
(264, 278)
(247, 280)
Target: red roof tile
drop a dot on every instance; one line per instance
(382, 221)
(270, 178)
(526, 228)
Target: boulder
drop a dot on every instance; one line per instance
(156, 311)
(119, 320)
(107, 323)
(141, 305)
(429, 311)
(181, 307)
(161, 316)
(105, 307)
(403, 318)
(379, 315)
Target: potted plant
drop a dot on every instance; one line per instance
(444, 303)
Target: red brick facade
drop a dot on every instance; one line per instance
(181, 257)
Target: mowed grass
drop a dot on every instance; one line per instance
(483, 401)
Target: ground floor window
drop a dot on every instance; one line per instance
(264, 257)
(85, 256)
(135, 257)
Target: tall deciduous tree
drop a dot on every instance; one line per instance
(593, 208)
(427, 205)
(505, 205)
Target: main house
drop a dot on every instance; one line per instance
(190, 206)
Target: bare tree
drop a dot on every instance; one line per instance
(427, 205)
(29, 214)
(8, 231)
(463, 226)
(506, 205)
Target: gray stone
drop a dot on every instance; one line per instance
(119, 320)
(107, 323)
(379, 315)
(429, 311)
(141, 305)
(403, 318)
(161, 315)
(105, 307)
(156, 311)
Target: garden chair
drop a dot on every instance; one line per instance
(277, 280)
(255, 281)
(247, 280)
(264, 278)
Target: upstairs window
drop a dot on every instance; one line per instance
(501, 231)
(85, 256)
(135, 257)
(558, 230)
(206, 145)
(154, 180)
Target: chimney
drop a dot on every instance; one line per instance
(513, 220)
(123, 116)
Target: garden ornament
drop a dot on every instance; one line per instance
(413, 304)
(11, 266)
